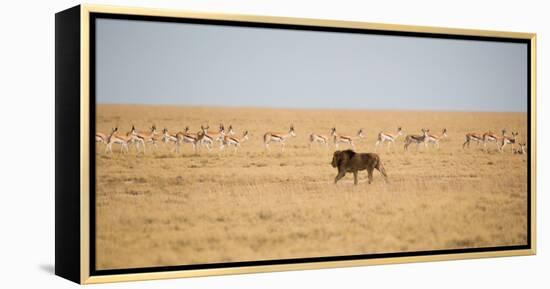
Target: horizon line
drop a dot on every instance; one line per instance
(309, 108)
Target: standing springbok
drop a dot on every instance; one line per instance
(432, 138)
(493, 137)
(345, 138)
(417, 139)
(387, 137)
(278, 137)
(230, 130)
(114, 138)
(319, 139)
(147, 138)
(509, 140)
(521, 149)
(171, 137)
(137, 138)
(207, 138)
(186, 131)
(188, 137)
(234, 141)
(100, 138)
(472, 137)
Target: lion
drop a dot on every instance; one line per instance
(350, 161)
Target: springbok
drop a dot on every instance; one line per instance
(345, 138)
(521, 149)
(319, 139)
(207, 138)
(509, 140)
(187, 137)
(472, 137)
(171, 137)
(493, 137)
(234, 141)
(220, 134)
(114, 138)
(148, 138)
(186, 131)
(432, 138)
(278, 137)
(417, 139)
(387, 137)
(100, 138)
(137, 138)
(230, 130)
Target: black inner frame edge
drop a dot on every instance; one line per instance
(92, 90)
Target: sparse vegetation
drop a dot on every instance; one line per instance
(162, 208)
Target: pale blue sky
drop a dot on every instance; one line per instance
(142, 62)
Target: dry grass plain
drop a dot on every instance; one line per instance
(160, 208)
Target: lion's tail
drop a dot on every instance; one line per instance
(382, 170)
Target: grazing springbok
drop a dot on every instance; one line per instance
(387, 137)
(509, 140)
(345, 138)
(277, 137)
(417, 139)
(432, 138)
(234, 141)
(521, 149)
(114, 138)
(319, 139)
(171, 137)
(493, 137)
(472, 137)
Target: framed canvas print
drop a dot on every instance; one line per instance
(193, 144)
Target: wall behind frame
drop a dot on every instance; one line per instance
(27, 209)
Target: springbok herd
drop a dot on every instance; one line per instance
(226, 138)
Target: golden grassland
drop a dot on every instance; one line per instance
(161, 208)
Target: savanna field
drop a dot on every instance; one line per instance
(161, 208)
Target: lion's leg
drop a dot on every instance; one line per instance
(382, 171)
(355, 177)
(369, 170)
(340, 175)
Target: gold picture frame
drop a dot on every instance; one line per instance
(73, 43)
